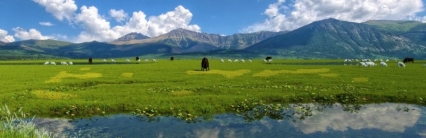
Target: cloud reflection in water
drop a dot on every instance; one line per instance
(384, 117)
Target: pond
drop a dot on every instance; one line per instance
(301, 120)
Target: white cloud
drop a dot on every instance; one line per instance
(118, 15)
(46, 23)
(96, 27)
(61, 9)
(302, 12)
(179, 18)
(5, 38)
(30, 34)
(157, 25)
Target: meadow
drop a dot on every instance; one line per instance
(179, 88)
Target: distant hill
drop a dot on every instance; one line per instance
(183, 41)
(329, 38)
(332, 38)
(129, 38)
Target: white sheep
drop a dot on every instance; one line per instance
(242, 60)
(221, 60)
(70, 63)
(383, 64)
(104, 60)
(370, 64)
(250, 60)
(229, 60)
(400, 64)
(363, 64)
(64, 63)
(236, 60)
(52, 63)
(46, 63)
(154, 60)
(264, 60)
(146, 60)
(112, 60)
(127, 60)
(139, 60)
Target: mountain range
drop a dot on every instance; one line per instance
(329, 38)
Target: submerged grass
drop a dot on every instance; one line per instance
(177, 87)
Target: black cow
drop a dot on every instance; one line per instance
(90, 60)
(268, 58)
(408, 60)
(137, 58)
(172, 58)
(205, 64)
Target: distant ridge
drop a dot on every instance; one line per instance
(130, 37)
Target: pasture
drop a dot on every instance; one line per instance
(179, 87)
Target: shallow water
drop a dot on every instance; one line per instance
(372, 120)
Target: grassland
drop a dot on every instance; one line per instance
(178, 87)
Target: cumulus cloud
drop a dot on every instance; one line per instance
(5, 38)
(179, 18)
(46, 23)
(157, 25)
(384, 117)
(30, 34)
(301, 12)
(118, 15)
(96, 27)
(61, 9)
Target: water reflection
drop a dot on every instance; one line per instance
(385, 117)
(300, 120)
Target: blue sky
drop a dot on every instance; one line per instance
(106, 20)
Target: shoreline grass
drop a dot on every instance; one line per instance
(17, 125)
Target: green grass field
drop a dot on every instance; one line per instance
(176, 87)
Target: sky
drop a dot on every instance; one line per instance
(106, 20)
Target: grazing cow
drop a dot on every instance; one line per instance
(268, 58)
(90, 60)
(205, 64)
(172, 58)
(408, 60)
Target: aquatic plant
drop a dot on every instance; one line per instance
(18, 125)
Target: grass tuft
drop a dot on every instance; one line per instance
(52, 95)
(64, 74)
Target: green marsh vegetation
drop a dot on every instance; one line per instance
(177, 88)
